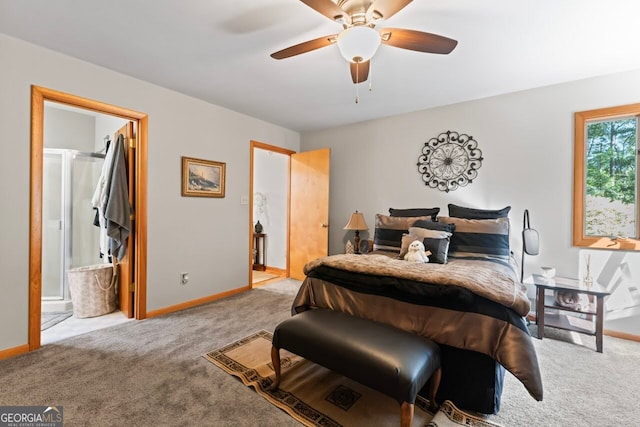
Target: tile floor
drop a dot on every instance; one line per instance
(74, 326)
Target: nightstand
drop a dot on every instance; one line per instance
(259, 252)
(585, 320)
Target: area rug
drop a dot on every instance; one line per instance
(316, 396)
(51, 319)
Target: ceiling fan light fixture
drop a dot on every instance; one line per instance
(358, 44)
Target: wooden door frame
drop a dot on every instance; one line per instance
(275, 149)
(38, 96)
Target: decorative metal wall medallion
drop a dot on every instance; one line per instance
(449, 161)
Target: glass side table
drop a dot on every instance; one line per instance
(585, 320)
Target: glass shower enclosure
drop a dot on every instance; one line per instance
(69, 237)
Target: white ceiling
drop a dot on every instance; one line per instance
(218, 51)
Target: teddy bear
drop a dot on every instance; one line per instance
(417, 252)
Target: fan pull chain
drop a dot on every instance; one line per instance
(357, 80)
(370, 74)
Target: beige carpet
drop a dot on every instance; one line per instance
(151, 373)
(316, 396)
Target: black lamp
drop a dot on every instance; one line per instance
(530, 241)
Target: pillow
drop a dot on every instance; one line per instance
(435, 241)
(488, 238)
(388, 231)
(432, 225)
(471, 213)
(432, 212)
(432, 234)
(439, 249)
(418, 234)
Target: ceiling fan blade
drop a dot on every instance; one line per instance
(388, 8)
(359, 71)
(327, 8)
(417, 40)
(305, 47)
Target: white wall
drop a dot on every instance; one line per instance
(527, 143)
(619, 273)
(68, 129)
(206, 237)
(271, 180)
(106, 125)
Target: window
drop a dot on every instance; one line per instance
(606, 178)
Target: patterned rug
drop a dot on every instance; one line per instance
(316, 396)
(51, 319)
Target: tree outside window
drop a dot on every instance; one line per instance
(611, 191)
(606, 171)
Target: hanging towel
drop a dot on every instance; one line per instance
(117, 210)
(99, 200)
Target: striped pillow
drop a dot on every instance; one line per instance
(487, 238)
(389, 230)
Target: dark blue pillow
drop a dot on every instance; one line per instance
(432, 212)
(433, 225)
(456, 211)
(439, 249)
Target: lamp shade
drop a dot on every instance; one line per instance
(356, 222)
(358, 44)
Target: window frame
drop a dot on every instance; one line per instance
(581, 119)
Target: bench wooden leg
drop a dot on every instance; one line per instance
(406, 414)
(434, 384)
(275, 360)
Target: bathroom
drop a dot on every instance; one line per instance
(75, 142)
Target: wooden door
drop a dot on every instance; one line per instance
(126, 265)
(309, 216)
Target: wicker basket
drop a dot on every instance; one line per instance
(93, 289)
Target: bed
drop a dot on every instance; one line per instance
(470, 303)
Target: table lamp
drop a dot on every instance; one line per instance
(357, 223)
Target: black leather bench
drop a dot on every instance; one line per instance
(389, 360)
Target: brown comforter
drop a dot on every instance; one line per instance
(470, 304)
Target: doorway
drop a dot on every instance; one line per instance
(133, 265)
(307, 209)
(269, 213)
(76, 143)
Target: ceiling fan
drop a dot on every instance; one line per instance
(359, 39)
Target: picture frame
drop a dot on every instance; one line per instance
(365, 246)
(203, 178)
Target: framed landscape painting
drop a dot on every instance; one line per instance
(202, 178)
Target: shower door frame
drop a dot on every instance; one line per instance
(68, 157)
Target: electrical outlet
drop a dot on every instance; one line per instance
(244, 200)
(184, 278)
